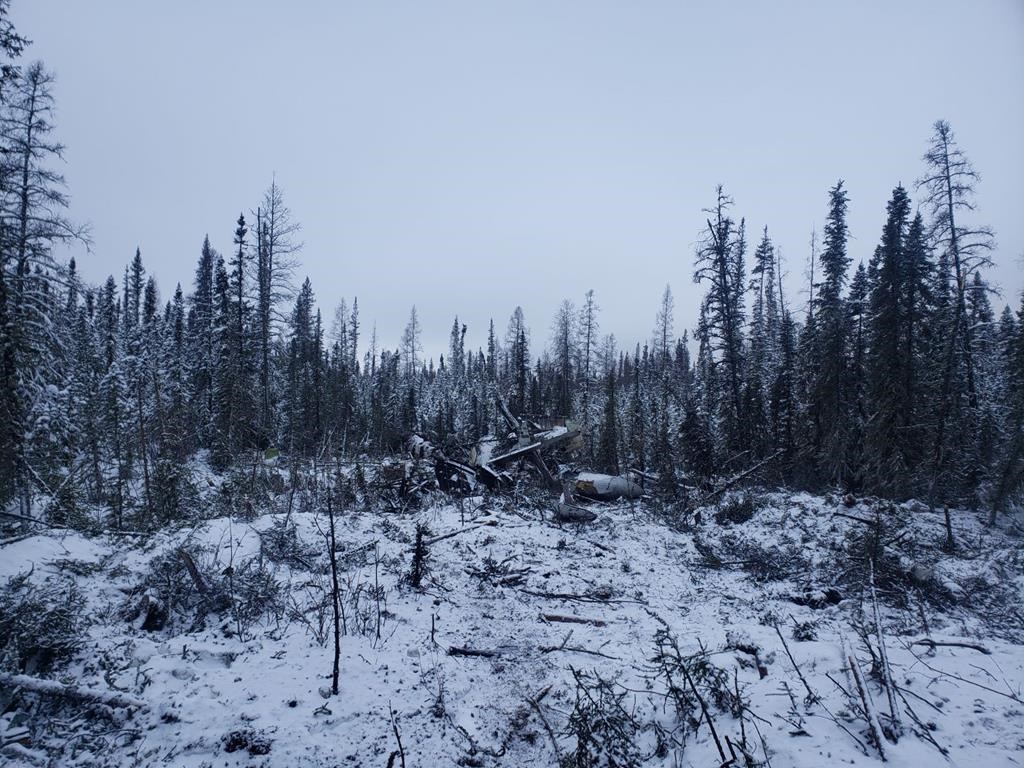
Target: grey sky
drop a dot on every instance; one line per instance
(470, 156)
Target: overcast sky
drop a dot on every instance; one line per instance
(468, 157)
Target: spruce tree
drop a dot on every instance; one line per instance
(829, 396)
(889, 403)
(608, 448)
(32, 222)
(949, 186)
(720, 257)
(588, 328)
(563, 353)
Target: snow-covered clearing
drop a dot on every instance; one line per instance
(546, 600)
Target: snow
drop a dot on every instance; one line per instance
(631, 571)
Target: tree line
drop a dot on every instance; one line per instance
(893, 377)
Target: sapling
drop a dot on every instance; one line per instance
(420, 566)
(335, 593)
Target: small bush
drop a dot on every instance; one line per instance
(764, 562)
(737, 509)
(805, 631)
(40, 624)
(255, 594)
(174, 492)
(242, 493)
(887, 550)
(67, 509)
(281, 544)
(712, 683)
(420, 566)
(169, 582)
(245, 593)
(604, 729)
(362, 605)
(253, 742)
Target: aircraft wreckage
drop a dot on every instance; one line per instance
(492, 461)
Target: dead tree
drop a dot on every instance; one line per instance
(335, 593)
(53, 688)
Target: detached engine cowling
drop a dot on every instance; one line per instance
(606, 487)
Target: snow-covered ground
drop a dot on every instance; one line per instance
(505, 583)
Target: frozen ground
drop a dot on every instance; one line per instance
(237, 688)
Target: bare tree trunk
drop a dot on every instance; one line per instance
(961, 279)
(335, 594)
(144, 448)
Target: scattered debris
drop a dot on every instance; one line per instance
(567, 512)
(490, 463)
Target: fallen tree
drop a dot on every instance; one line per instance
(42, 687)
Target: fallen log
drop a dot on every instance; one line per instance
(193, 571)
(738, 478)
(933, 644)
(510, 420)
(25, 519)
(53, 688)
(486, 653)
(535, 704)
(361, 548)
(855, 518)
(15, 751)
(578, 598)
(444, 536)
(16, 539)
(501, 577)
(866, 702)
(572, 619)
(575, 649)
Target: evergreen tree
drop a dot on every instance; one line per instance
(301, 428)
(242, 427)
(720, 257)
(761, 361)
(457, 350)
(1009, 466)
(784, 404)
(202, 343)
(32, 221)
(563, 352)
(663, 330)
(275, 262)
(11, 46)
(353, 336)
(517, 367)
(224, 380)
(411, 346)
(889, 403)
(829, 395)
(636, 420)
(608, 449)
(588, 327)
(948, 186)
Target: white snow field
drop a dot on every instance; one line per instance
(544, 603)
